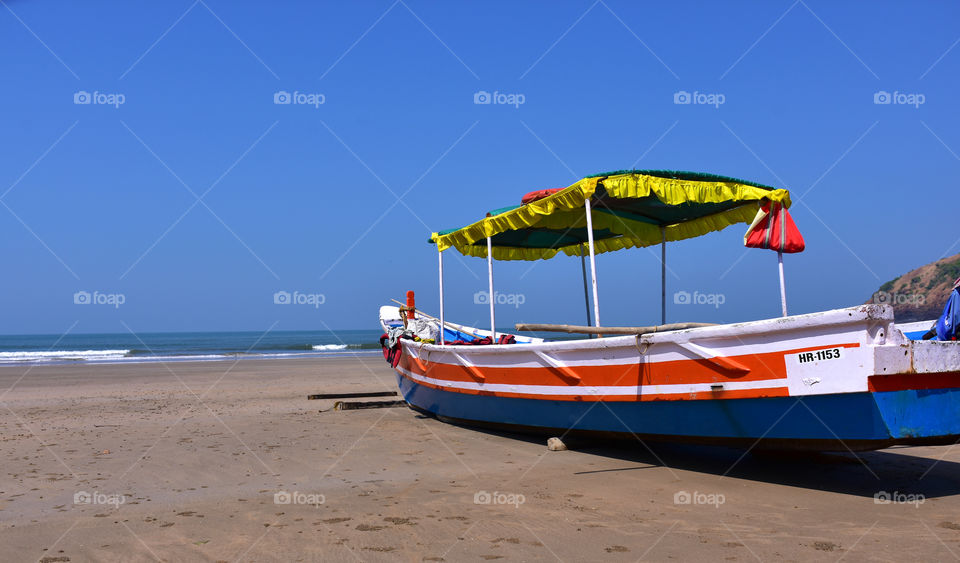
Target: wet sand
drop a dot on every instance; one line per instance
(191, 462)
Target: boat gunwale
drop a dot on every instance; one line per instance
(836, 317)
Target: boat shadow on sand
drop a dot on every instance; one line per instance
(902, 469)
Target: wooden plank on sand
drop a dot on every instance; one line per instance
(357, 405)
(352, 395)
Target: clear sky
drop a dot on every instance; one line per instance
(185, 191)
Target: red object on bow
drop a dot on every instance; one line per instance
(774, 229)
(411, 306)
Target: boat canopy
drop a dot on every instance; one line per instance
(631, 208)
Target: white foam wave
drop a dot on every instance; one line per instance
(62, 356)
(330, 347)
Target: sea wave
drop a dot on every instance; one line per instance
(61, 356)
(27, 357)
(319, 347)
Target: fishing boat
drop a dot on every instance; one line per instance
(842, 380)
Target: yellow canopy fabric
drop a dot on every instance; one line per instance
(630, 209)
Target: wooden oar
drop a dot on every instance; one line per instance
(576, 329)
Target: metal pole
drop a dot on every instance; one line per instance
(783, 286)
(663, 276)
(586, 289)
(782, 211)
(493, 320)
(442, 325)
(593, 263)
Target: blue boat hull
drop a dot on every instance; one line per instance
(841, 422)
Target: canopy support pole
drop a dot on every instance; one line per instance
(493, 321)
(442, 325)
(663, 276)
(593, 263)
(586, 289)
(783, 286)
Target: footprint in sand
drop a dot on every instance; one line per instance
(335, 520)
(400, 521)
(616, 549)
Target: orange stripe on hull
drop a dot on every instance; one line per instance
(763, 367)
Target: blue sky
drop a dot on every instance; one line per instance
(197, 197)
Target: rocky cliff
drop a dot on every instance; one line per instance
(919, 295)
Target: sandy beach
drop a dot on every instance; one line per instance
(229, 461)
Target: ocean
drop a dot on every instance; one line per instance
(184, 346)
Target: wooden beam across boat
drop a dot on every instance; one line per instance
(578, 329)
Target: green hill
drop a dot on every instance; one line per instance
(920, 295)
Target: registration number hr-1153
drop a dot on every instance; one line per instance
(819, 355)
